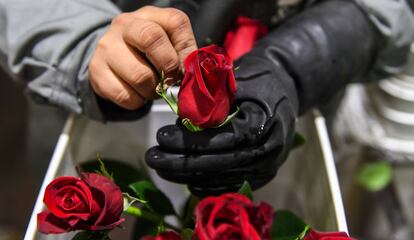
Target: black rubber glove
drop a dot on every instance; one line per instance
(299, 65)
(251, 148)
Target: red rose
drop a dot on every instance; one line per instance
(241, 38)
(232, 216)
(91, 203)
(208, 88)
(314, 235)
(169, 235)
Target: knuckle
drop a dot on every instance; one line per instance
(145, 9)
(184, 44)
(102, 45)
(141, 77)
(150, 35)
(121, 19)
(171, 64)
(125, 99)
(178, 19)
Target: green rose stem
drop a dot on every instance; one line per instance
(171, 100)
(153, 217)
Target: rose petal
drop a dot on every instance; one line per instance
(262, 219)
(217, 84)
(208, 88)
(315, 235)
(194, 100)
(109, 194)
(78, 197)
(231, 216)
(48, 223)
(105, 227)
(52, 198)
(169, 235)
(241, 39)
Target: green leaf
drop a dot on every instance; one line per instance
(130, 200)
(287, 226)
(91, 235)
(124, 174)
(102, 169)
(187, 220)
(191, 127)
(298, 140)
(246, 190)
(156, 200)
(186, 234)
(229, 118)
(144, 227)
(375, 176)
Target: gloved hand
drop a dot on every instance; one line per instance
(297, 66)
(251, 148)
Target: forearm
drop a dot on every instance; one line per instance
(47, 45)
(322, 48)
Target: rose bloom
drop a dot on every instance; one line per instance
(169, 235)
(314, 235)
(241, 38)
(208, 88)
(232, 216)
(92, 202)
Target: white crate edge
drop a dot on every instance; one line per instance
(331, 171)
(57, 158)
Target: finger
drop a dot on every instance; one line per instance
(160, 160)
(151, 39)
(255, 183)
(259, 168)
(175, 138)
(134, 70)
(109, 86)
(184, 162)
(245, 130)
(177, 25)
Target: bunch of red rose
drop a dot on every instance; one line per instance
(95, 203)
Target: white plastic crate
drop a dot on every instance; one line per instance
(307, 183)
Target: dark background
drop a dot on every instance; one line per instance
(28, 134)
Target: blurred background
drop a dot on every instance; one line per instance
(28, 134)
(371, 128)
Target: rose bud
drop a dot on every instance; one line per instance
(314, 235)
(208, 88)
(169, 235)
(232, 216)
(92, 202)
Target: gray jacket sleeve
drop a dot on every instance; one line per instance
(395, 20)
(47, 44)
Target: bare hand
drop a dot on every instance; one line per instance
(137, 46)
